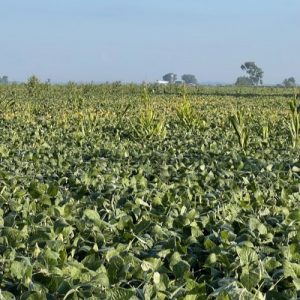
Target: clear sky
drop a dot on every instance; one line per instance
(140, 40)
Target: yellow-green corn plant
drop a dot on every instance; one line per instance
(187, 115)
(238, 123)
(265, 132)
(148, 124)
(294, 124)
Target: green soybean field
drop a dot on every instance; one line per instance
(146, 192)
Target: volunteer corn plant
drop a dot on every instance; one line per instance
(97, 202)
(148, 123)
(265, 132)
(294, 124)
(187, 115)
(238, 122)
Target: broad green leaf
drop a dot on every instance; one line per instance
(156, 278)
(295, 215)
(178, 266)
(33, 296)
(53, 189)
(247, 256)
(116, 269)
(291, 269)
(18, 269)
(249, 278)
(270, 264)
(92, 215)
(22, 270)
(195, 290)
(273, 295)
(296, 282)
(36, 189)
(102, 277)
(5, 295)
(223, 296)
(209, 245)
(121, 294)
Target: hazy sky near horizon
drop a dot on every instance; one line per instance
(139, 40)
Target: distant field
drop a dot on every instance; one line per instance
(131, 192)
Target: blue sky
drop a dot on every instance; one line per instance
(139, 40)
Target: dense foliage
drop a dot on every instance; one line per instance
(115, 192)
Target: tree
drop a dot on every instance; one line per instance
(243, 81)
(189, 79)
(289, 82)
(4, 79)
(170, 77)
(255, 73)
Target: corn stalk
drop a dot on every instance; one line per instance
(148, 124)
(187, 115)
(238, 123)
(265, 132)
(294, 124)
